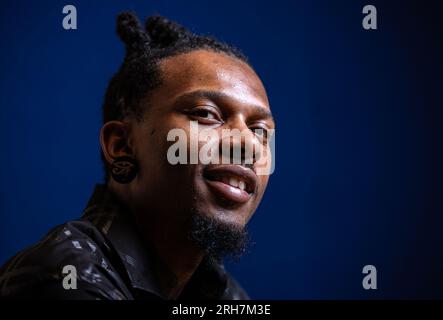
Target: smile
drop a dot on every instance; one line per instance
(231, 182)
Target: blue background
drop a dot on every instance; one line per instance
(358, 175)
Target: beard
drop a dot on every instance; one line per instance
(218, 239)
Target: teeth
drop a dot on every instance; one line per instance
(233, 182)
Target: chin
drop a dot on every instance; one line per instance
(219, 234)
(234, 217)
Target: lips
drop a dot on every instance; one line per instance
(231, 182)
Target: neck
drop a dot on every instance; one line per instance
(177, 257)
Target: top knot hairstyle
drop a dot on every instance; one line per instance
(145, 48)
(139, 73)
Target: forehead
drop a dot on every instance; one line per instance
(206, 70)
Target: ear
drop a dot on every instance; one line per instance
(114, 140)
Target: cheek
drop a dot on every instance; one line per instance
(155, 151)
(150, 150)
(152, 137)
(263, 184)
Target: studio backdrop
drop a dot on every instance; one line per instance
(357, 180)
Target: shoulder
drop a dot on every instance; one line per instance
(76, 246)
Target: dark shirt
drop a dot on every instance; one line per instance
(110, 259)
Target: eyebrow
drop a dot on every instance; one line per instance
(217, 95)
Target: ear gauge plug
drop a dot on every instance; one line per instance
(124, 169)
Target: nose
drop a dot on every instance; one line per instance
(239, 144)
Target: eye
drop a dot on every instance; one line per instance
(261, 132)
(206, 115)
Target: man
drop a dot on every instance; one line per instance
(158, 230)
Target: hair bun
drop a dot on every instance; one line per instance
(164, 32)
(131, 31)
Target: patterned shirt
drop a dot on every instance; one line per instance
(110, 260)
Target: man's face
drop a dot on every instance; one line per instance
(219, 92)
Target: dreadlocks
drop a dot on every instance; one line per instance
(145, 48)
